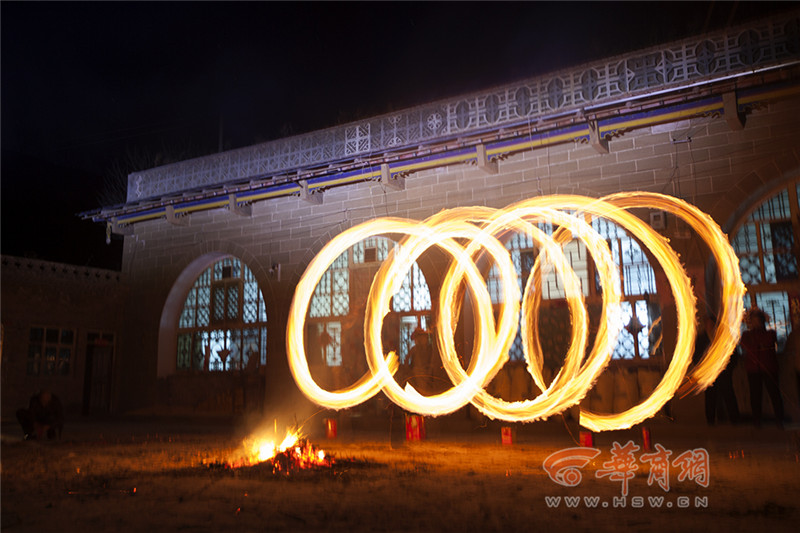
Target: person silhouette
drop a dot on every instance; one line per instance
(44, 416)
(761, 363)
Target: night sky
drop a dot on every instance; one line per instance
(84, 85)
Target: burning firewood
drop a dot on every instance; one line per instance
(292, 454)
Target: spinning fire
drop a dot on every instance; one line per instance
(470, 234)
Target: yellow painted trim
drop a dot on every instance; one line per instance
(433, 163)
(543, 141)
(265, 195)
(789, 91)
(140, 218)
(675, 115)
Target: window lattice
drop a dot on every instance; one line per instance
(408, 324)
(553, 285)
(422, 295)
(219, 303)
(331, 333)
(211, 328)
(254, 309)
(637, 276)
(779, 243)
(413, 294)
(776, 305)
(372, 249)
(233, 302)
(765, 243)
(746, 245)
(765, 246)
(775, 208)
(331, 298)
(332, 295)
(634, 338)
(50, 351)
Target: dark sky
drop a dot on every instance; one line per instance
(84, 84)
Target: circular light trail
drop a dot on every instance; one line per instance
(472, 234)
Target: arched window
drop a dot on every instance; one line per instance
(342, 291)
(765, 245)
(412, 303)
(223, 322)
(640, 313)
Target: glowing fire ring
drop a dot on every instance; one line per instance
(573, 382)
(480, 227)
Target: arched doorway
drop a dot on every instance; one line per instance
(213, 337)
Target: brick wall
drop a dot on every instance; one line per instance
(722, 171)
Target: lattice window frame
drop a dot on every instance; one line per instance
(627, 254)
(765, 288)
(226, 342)
(51, 351)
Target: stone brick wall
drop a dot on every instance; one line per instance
(723, 171)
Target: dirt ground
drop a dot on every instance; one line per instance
(154, 475)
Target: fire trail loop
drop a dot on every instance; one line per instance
(481, 228)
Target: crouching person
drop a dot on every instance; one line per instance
(44, 416)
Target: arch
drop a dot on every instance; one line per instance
(752, 201)
(176, 298)
(168, 325)
(764, 232)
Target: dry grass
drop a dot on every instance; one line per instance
(156, 478)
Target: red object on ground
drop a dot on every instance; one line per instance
(415, 427)
(646, 444)
(330, 428)
(506, 436)
(586, 439)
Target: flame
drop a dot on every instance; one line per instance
(480, 228)
(292, 453)
(263, 450)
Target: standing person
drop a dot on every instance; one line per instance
(44, 416)
(761, 363)
(420, 359)
(722, 388)
(792, 352)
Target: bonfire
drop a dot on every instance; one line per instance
(293, 453)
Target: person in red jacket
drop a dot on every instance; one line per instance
(761, 363)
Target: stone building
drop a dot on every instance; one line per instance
(60, 329)
(215, 247)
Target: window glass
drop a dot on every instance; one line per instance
(638, 283)
(222, 325)
(765, 246)
(50, 351)
(765, 242)
(331, 302)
